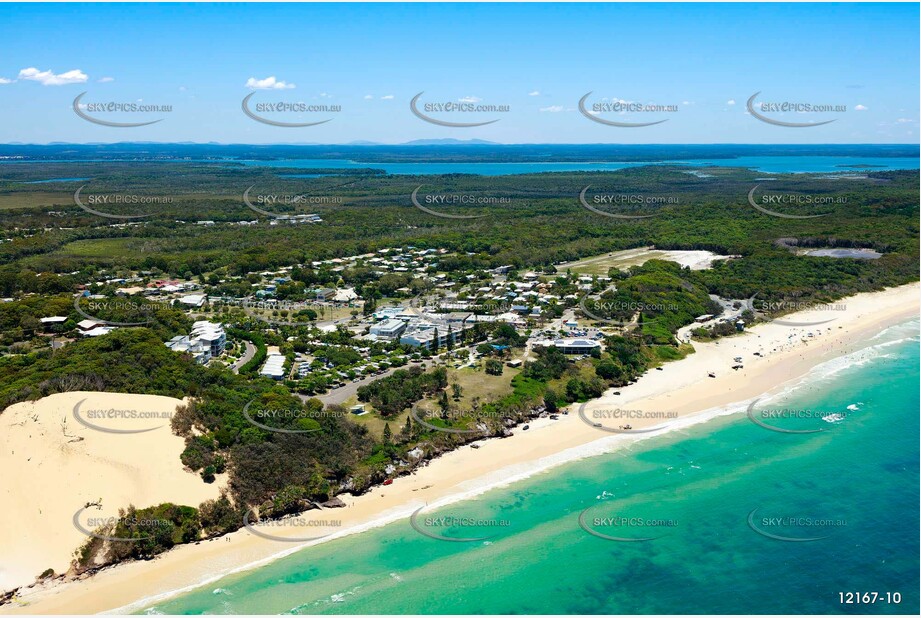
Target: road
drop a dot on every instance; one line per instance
(248, 354)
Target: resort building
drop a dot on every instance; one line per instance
(206, 341)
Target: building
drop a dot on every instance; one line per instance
(206, 341)
(346, 295)
(274, 367)
(387, 313)
(55, 320)
(98, 331)
(421, 332)
(389, 329)
(325, 293)
(211, 334)
(573, 346)
(193, 300)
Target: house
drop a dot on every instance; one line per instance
(86, 325)
(53, 320)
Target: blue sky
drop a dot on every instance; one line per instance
(538, 59)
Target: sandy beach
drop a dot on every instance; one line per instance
(683, 388)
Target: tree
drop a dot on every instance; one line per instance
(494, 367)
(388, 435)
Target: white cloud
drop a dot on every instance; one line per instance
(105, 80)
(269, 83)
(686, 103)
(368, 97)
(552, 108)
(387, 97)
(470, 99)
(47, 78)
(861, 108)
(903, 120)
(4, 80)
(731, 102)
(534, 93)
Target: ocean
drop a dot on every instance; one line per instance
(739, 519)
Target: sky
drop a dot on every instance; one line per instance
(703, 61)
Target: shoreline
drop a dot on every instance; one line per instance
(682, 388)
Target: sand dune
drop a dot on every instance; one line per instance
(53, 465)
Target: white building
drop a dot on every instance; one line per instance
(206, 341)
(572, 346)
(274, 367)
(193, 300)
(388, 329)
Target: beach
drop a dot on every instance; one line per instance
(772, 355)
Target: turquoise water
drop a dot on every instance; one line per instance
(770, 164)
(861, 475)
(40, 182)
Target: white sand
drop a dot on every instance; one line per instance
(52, 466)
(682, 386)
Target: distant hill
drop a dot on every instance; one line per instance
(450, 141)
